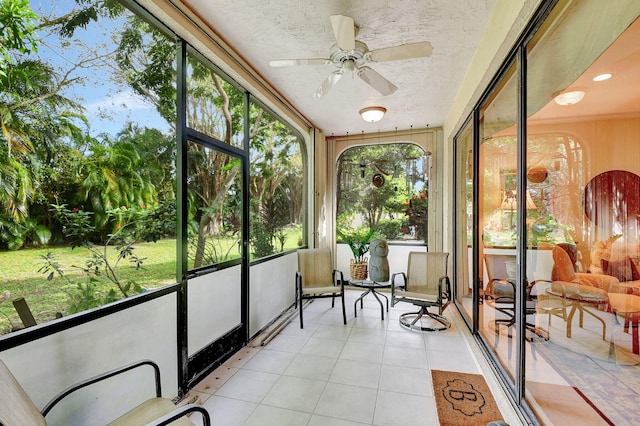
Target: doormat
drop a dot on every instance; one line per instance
(463, 399)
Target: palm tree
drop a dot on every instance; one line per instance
(113, 176)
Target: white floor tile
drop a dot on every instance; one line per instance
(356, 373)
(454, 344)
(369, 372)
(375, 336)
(405, 357)
(373, 311)
(295, 393)
(287, 343)
(413, 381)
(311, 317)
(323, 347)
(317, 420)
(337, 332)
(226, 411)
(347, 402)
(311, 367)
(364, 352)
(335, 318)
(405, 339)
(270, 361)
(364, 321)
(450, 340)
(265, 415)
(293, 328)
(396, 409)
(394, 325)
(452, 361)
(248, 385)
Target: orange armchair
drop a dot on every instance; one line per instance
(579, 290)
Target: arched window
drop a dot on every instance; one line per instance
(384, 188)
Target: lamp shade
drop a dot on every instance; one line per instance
(373, 114)
(509, 202)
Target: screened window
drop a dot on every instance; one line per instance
(384, 188)
(214, 106)
(276, 185)
(87, 155)
(214, 181)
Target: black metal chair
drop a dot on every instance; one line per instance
(17, 409)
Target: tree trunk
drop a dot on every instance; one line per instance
(202, 240)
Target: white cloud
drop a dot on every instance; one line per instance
(122, 99)
(110, 113)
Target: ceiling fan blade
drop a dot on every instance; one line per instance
(407, 51)
(345, 31)
(328, 83)
(292, 62)
(375, 80)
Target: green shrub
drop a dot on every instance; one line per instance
(390, 229)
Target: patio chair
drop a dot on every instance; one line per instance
(17, 409)
(316, 278)
(425, 284)
(500, 294)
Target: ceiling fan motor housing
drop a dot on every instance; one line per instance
(357, 55)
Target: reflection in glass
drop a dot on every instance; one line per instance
(581, 161)
(498, 171)
(464, 193)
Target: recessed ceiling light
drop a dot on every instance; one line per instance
(569, 98)
(603, 77)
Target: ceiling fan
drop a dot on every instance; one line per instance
(349, 54)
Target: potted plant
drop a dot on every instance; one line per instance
(358, 241)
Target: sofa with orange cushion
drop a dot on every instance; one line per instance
(564, 274)
(617, 259)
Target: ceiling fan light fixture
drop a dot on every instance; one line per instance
(373, 113)
(569, 98)
(349, 54)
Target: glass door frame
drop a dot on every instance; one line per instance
(191, 369)
(517, 55)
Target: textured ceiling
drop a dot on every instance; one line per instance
(261, 31)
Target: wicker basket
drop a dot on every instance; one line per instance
(358, 271)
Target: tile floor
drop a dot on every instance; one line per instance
(369, 372)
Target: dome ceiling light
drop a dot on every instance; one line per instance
(373, 114)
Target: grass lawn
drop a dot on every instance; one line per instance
(19, 275)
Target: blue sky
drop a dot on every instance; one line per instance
(109, 105)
